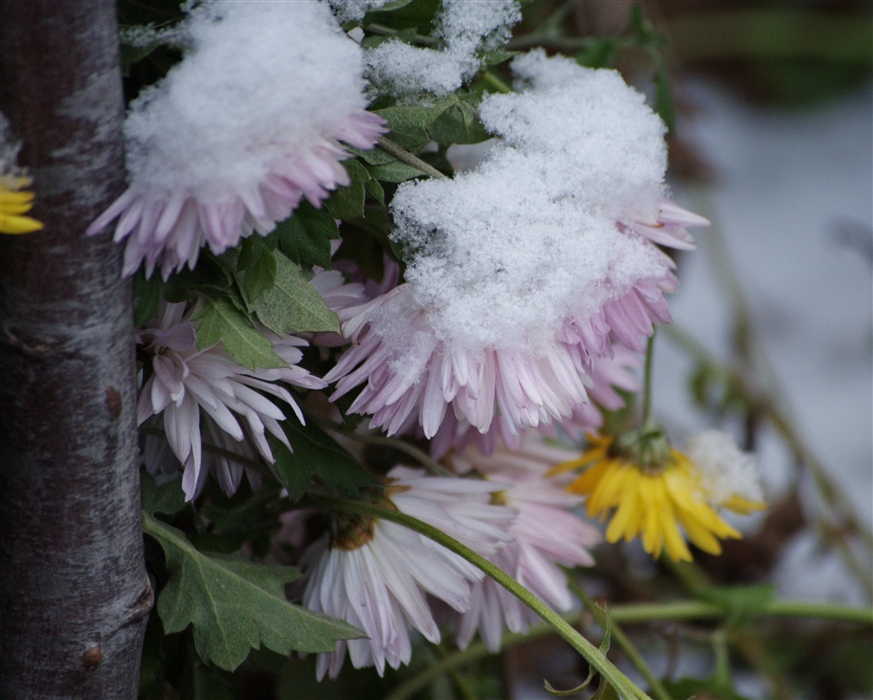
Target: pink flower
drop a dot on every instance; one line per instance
(186, 380)
(412, 373)
(377, 575)
(239, 132)
(547, 536)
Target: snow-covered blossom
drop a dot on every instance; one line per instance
(248, 124)
(466, 30)
(376, 574)
(186, 381)
(527, 269)
(728, 476)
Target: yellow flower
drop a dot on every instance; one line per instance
(14, 203)
(654, 490)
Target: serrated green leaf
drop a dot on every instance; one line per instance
(314, 451)
(260, 275)
(293, 304)
(219, 320)
(249, 251)
(167, 498)
(376, 191)
(409, 123)
(458, 124)
(305, 237)
(348, 202)
(235, 605)
(394, 172)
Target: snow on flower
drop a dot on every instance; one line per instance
(376, 574)
(248, 124)
(526, 270)
(187, 382)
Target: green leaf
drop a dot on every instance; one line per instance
(375, 190)
(663, 93)
(315, 452)
(348, 202)
(167, 498)
(260, 276)
(292, 303)
(394, 172)
(235, 605)
(458, 124)
(222, 321)
(409, 124)
(305, 237)
(147, 293)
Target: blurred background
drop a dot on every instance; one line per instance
(771, 109)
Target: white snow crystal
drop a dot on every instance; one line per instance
(466, 28)
(724, 469)
(501, 254)
(259, 81)
(353, 10)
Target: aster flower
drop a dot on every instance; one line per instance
(239, 132)
(376, 574)
(547, 536)
(654, 490)
(186, 380)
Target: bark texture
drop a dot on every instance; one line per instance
(74, 593)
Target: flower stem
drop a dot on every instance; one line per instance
(622, 684)
(421, 457)
(405, 156)
(635, 613)
(647, 380)
(657, 688)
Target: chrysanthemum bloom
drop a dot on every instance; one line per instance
(186, 380)
(607, 374)
(248, 124)
(376, 574)
(15, 200)
(547, 536)
(654, 490)
(524, 271)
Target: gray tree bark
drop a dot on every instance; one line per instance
(74, 593)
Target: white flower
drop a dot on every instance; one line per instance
(376, 574)
(186, 380)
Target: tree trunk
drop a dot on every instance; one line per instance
(74, 593)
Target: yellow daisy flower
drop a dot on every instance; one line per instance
(655, 490)
(14, 203)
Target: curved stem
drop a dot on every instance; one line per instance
(635, 613)
(633, 654)
(405, 156)
(421, 457)
(496, 82)
(622, 684)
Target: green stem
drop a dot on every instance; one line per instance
(418, 39)
(496, 82)
(405, 156)
(421, 457)
(647, 380)
(657, 688)
(622, 684)
(635, 614)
